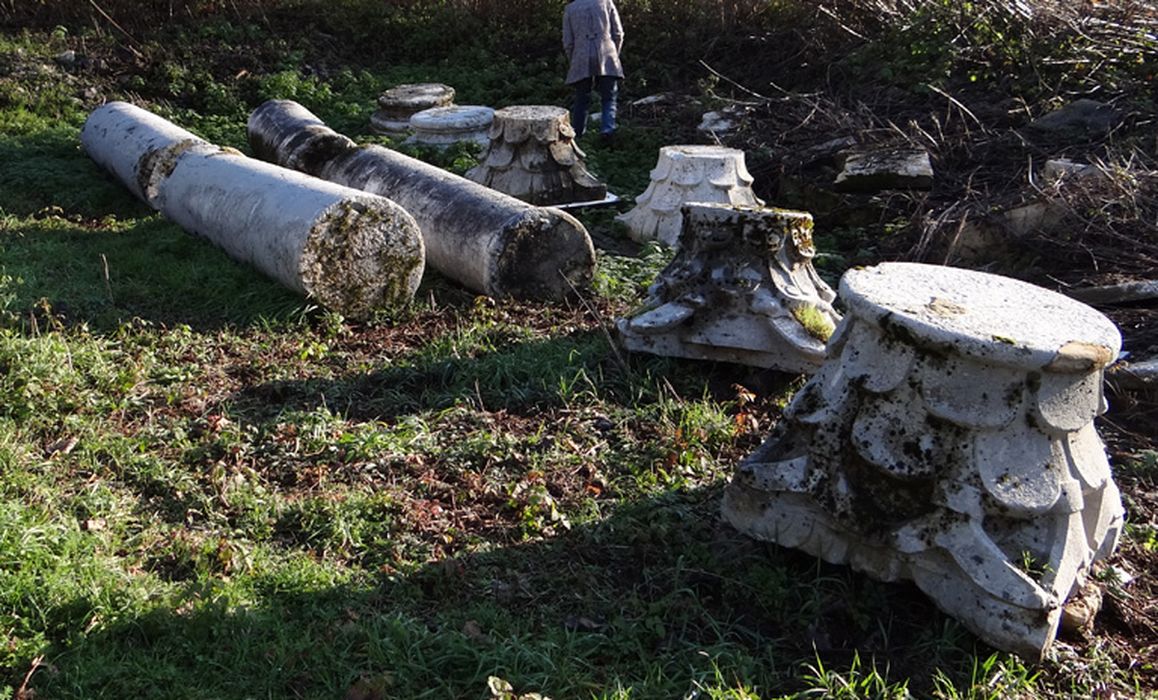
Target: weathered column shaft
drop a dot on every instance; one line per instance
(485, 240)
(124, 140)
(350, 250)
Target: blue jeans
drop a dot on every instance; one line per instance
(608, 86)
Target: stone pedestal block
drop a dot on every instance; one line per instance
(741, 289)
(398, 104)
(683, 174)
(532, 156)
(949, 440)
(444, 126)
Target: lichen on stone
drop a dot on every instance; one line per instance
(362, 255)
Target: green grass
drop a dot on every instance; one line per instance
(210, 488)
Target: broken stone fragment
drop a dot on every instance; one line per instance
(1080, 118)
(720, 123)
(1140, 375)
(949, 439)
(66, 59)
(1062, 169)
(532, 156)
(487, 241)
(986, 238)
(445, 126)
(351, 251)
(398, 104)
(826, 151)
(740, 289)
(890, 169)
(683, 174)
(1125, 293)
(658, 100)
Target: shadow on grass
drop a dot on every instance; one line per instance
(109, 272)
(519, 377)
(493, 371)
(657, 597)
(46, 169)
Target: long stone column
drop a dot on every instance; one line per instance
(487, 241)
(350, 250)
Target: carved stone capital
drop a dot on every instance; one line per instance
(949, 440)
(532, 155)
(683, 174)
(741, 288)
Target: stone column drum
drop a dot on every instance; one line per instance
(688, 174)
(398, 104)
(741, 289)
(949, 439)
(532, 156)
(445, 126)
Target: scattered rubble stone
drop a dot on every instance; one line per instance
(1084, 117)
(892, 169)
(720, 123)
(1060, 168)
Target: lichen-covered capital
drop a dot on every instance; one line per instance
(943, 442)
(741, 288)
(532, 156)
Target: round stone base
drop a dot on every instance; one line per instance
(443, 126)
(382, 123)
(399, 103)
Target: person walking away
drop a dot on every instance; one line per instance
(593, 38)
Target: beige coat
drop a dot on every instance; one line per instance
(592, 38)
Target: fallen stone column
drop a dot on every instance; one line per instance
(949, 439)
(489, 242)
(126, 140)
(350, 250)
